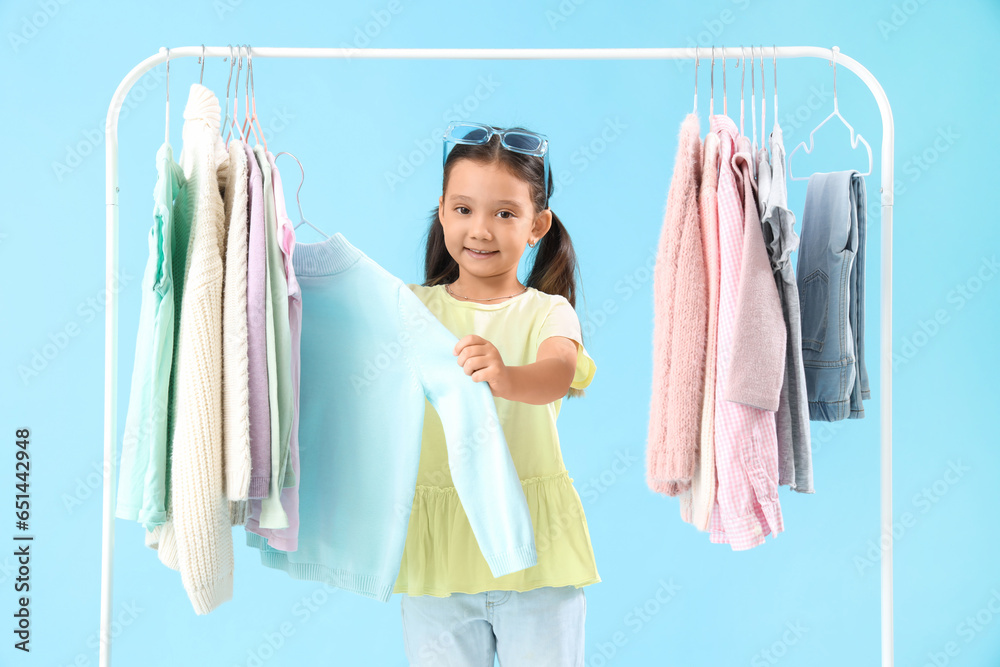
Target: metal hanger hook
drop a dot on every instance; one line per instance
(696, 62)
(202, 61)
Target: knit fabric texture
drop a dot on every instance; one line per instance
(200, 531)
(260, 408)
(286, 539)
(373, 353)
(680, 291)
(696, 502)
(235, 375)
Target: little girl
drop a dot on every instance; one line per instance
(525, 341)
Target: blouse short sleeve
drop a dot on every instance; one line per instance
(561, 320)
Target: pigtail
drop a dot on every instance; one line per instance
(553, 266)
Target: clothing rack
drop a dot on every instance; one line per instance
(111, 314)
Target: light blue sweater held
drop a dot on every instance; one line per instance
(371, 353)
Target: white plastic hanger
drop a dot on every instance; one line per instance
(855, 137)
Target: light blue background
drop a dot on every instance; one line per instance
(352, 123)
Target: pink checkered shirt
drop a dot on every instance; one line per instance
(746, 445)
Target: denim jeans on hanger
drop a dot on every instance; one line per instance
(830, 274)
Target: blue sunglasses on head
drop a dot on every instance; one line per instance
(519, 141)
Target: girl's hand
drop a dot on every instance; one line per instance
(481, 359)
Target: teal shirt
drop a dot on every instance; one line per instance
(142, 480)
(272, 514)
(372, 356)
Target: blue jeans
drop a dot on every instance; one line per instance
(543, 626)
(831, 282)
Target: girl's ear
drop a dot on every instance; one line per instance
(440, 207)
(542, 225)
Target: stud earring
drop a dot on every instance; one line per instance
(531, 245)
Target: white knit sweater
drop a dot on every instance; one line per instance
(235, 374)
(197, 537)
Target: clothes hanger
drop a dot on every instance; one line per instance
(763, 100)
(201, 61)
(297, 200)
(247, 124)
(696, 62)
(774, 60)
(251, 111)
(753, 102)
(711, 78)
(855, 137)
(225, 121)
(743, 76)
(725, 111)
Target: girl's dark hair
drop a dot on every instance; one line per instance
(553, 267)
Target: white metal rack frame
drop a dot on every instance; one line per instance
(111, 314)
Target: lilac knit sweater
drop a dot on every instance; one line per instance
(680, 291)
(260, 410)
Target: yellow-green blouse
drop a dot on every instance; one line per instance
(441, 555)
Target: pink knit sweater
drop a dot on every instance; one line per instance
(680, 326)
(696, 503)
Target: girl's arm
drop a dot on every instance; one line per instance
(544, 381)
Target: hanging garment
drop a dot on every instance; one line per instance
(260, 408)
(763, 176)
(197, 536)
(371, 353)
(143, 468)
(792, 417)
(831, 282)
(746, 507)
(235, 378)
(441, 555)
(757, 365)
(286, 539)
(271, 514)
(696, 503)
(680, 327)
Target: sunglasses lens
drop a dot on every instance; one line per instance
(470, 133)
(523, 142)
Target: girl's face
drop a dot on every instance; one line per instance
(488, 209)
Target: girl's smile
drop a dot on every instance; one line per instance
(478, 254)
